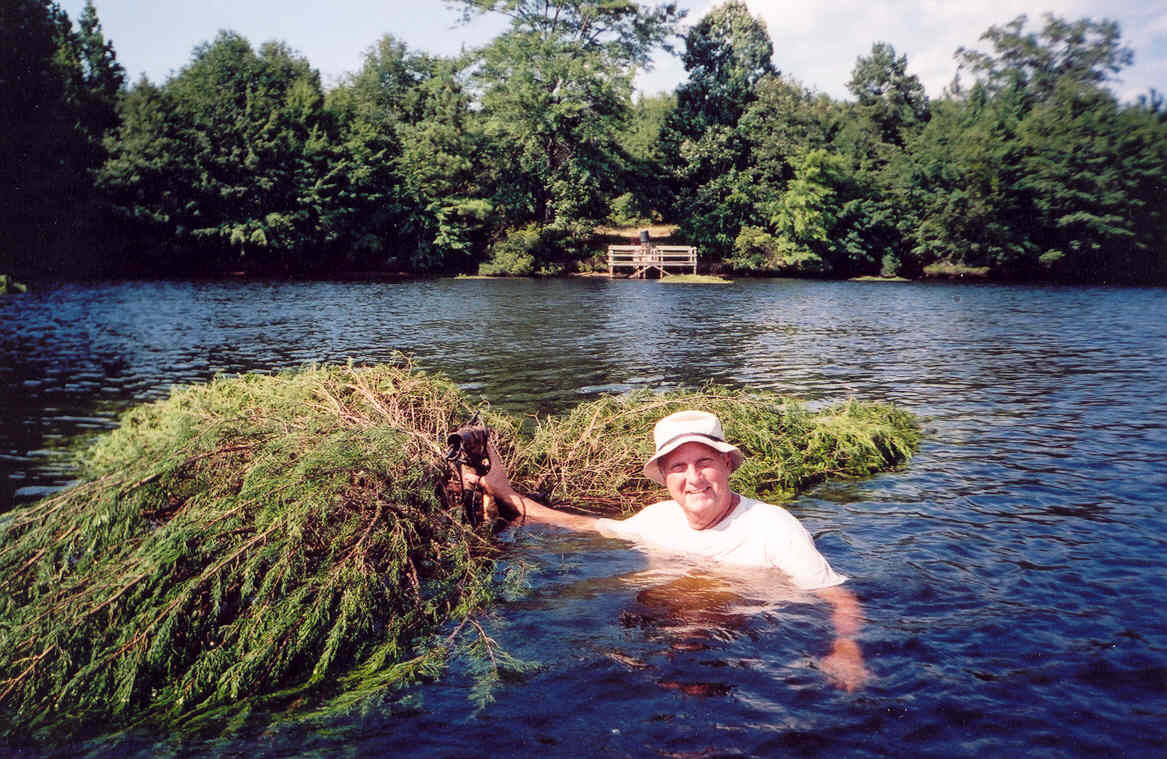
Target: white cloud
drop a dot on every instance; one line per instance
(817, 43)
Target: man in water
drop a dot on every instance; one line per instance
(706, 518)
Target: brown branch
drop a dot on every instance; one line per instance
(207, 574)
(38, 512)
(414, 582)
(489, 643)
(36, 557)
(17, 680)
(115, 596)
(186, 463)
(369, 529)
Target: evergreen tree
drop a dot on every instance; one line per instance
(103, 79)
(727, 54)
(60, 90)
(888, 96)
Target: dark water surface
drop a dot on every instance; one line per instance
(1012, 578)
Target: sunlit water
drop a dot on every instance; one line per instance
(1012, 577)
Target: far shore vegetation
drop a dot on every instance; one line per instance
(694, 279)
(529, 155)
(291, 546)
(9, 286)
(873, 278)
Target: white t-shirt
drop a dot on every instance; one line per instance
(754, 534)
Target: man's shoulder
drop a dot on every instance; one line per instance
(665, 510)
(649, 519)
(753, 511)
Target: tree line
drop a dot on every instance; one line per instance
(506, 159)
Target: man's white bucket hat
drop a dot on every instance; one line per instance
(688, 427)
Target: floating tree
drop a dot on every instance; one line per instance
(293, 542)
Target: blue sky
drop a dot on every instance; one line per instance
(814, 42)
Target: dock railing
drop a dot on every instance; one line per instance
(641, 259)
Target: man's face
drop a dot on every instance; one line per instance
(697, 477)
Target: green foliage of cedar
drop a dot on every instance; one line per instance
(591, 459)
(287, 543)
(242, 544)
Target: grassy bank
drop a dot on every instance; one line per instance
(695, 279)
(946, 270)
(289, 542)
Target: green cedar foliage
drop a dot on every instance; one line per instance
(592, 457)
(243, 544)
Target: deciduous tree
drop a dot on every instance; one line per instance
(556, 87)
(240, 149)
(1087, 51)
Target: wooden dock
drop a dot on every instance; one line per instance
(641, 259)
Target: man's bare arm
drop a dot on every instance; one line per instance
(845, 662)
(533, 511)
(496, 484)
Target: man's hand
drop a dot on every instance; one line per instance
(495, 482)
(497, 485)
(844, 665)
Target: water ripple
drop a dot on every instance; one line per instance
(1010, 577)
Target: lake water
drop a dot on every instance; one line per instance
(1012, 577)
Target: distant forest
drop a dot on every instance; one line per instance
(506, 159)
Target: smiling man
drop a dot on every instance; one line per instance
(705, 518)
